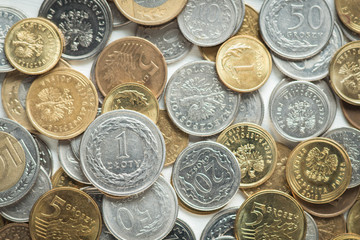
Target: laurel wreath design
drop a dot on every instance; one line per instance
(224, 227)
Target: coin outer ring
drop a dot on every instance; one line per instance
(347, 236)
(351, 216)
(345, 19)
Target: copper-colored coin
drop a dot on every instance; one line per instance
(175, 139)
(132, 96)
(243, 64)
(345, 72)
(65, 213)
(131, 59)
(334, 208)
(62, 103)
(34, 45)
(347, 236)
(277, 181)
(318, 170)
(353, 218)
(348, 12)
(2, 222)
(351, 113)
(61, 179)
(13, 94)
(150, 12)
(330, 227)
(15, 231)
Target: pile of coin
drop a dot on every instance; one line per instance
(114, 141)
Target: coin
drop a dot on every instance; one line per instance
(131, 59)
(330, 227)
(206, 176)
(46, 159)
(15, 231)
(93, 80)
(348, 12)
(318, 170)
(251, 108)
(270, 213)
(33, 45)
(351, 113)
(181, 230)
(132, 96)
(353, 217)
(344, 71)
(255, 150)
(61, 104)
(119, 19)
(60, 212)
(347, 236)
(240, 12)
(352, 36)
(312, 232)
(125, 220)
(209, 53)
(61, 179)
(86, 26)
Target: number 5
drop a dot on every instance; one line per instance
(298, 14)
(54, 203)
(258, 209)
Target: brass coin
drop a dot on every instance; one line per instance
(351, 113)
(61, 179)
(132, 96)
(330, 227)
(15, 231)
(277, 181)
(62, 103)
(254, 148)
(345, 71)
(12, 161)
(131, 59)
(347, 236)
(150, 12)
(318, 170)
(34, 45)
(243, 64)
(353, 219)
(65, 213)
(270, 214)
(348, 12)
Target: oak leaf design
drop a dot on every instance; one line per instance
(27, 44)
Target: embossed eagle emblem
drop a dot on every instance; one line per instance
(129, 98)
(250, 160)
(320, 165)
(27, 44)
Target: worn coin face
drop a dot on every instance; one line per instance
(251, 108)
(312, 232)
(351, 113)
(119, 19)
(61, 179)
(307, 29)
(125, 220)
(352, 222)
(347, 236)
(15, 231)
(330, 227)
(206, 176)
(181, 230)
(197, 102)
(348, 11)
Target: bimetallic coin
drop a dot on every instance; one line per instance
(125, 220)
(61, 179)
(347, 236)
(86, 26)
(206, 176)
(348, 12)
(46, 159)
(352, 221)
(197, 102)
(119, 20)
(251, 108)
(296, 30)
(15, 231)
(330, 227)
(181, 230)
(351, 113)
(312, 232)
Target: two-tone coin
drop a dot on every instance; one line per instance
(312, 232)
(181, 230)
(352, 221)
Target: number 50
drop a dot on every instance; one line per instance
(297, 10)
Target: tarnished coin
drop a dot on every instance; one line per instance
(197, 102)
(255, 150)
(33, 45)
(347, 236)
(312, 232)
(46, 159)
(270, 214)
(318, 170)
(15, 231)
(125, 220)
(2, 222)
(206, 176)
(348, 12)
(296, 30)
(330, 227)
(61, 179)
(181, 230)
(351, 113)
(251, 108)
(60, 213)
(353, 218)
(86, 26)
(119, 19)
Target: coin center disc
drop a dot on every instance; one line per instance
(150, 3)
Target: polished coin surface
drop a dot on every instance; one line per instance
(251, 108)
(243, 64)
(131, 59)
(125, 220)
(318, 170)
(86, 25)
(347, 236)
(348, 12)
(61, 104)
(65, 213)
(312, 232)
(197, 102)
(61, 179)
(330, 227)
(181, 230)
(46, 158)
(270, 214)
(108, 156)
(351, 113)
(33, 45)
(353, 218)
(255, 150)
(119, 19)
(15, 231)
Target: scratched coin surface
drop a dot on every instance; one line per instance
(353, 218)
(206, 176)
(330, 227)
(312, 232)
(181, 230)
(15, 231)
(348, 12)
(251, 108)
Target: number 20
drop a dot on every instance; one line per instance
(296, 10)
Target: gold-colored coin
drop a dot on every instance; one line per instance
(353, 218)
(150, 12)
(345, 72)
(13, 94)
(12, 161)
(330, 227)
(175, 139)
(34, 45)
(348, 12)
(65, 213)
(61, 179)
(254, 148)
(209, 53)
(270, 214)
(277, 181)
(132, 96)
(318, 170)
(15, 231)
(243, 64)
(62, 103)
(347, 236)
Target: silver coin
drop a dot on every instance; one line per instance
(349, 138)
(32, 162)
(75, 145)
(197, 102)
(93, 80)
(352, 36)
(240, 7)
(314, 68)
(168, 38)
(86, 25)
(119, 19)
(278, 86)
(299, 111)
(8, 17)
(220, 225)
(312, 232)
(20, 211)
(181, 230)
(251, 108)
(122, 152)
(296, 29)
(208, 23)
(46, 159)
(206, 176)
(148, 215)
